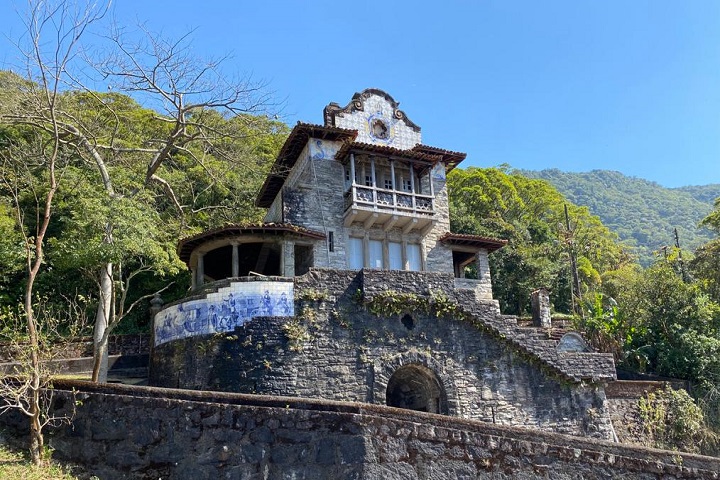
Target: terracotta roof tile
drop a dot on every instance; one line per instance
(349, 147)
(187, 245)
(489, 243)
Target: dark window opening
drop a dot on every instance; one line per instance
(408, 322)
(262, 258)
(464, 265)
(303, 259)
(331, 241)
(416, 387)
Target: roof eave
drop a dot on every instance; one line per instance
(288, 155)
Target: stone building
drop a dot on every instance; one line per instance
(353, 289)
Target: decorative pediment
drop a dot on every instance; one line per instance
(376, 117)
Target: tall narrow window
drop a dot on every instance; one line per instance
(331, 241)
(376, 254)
(355, 253)
(368, 181)
(414, 261)
(395, 256)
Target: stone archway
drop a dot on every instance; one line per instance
(420, 370)
(416, 387)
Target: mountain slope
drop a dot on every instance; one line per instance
(642, 213)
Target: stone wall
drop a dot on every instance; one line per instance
(313, 198)
(336, 349)
(438, 257)
(623, 400)
(83, 347)
(144, 433)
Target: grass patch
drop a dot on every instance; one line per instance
(15, 465)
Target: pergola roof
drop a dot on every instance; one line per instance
(450, 158)
(187, 245)
(472, 241)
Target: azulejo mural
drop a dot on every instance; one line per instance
(320, 150)
(224, 310)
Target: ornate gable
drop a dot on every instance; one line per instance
(374, 114)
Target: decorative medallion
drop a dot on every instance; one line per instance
(380, 128)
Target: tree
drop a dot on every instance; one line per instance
(32, 166)
(529, 213)
(667, 321)
(133, 151)
(706, 264)
(16, 180)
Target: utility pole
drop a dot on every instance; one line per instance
(680, 259)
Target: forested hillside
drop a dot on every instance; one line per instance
(642, 213)
(530, 214)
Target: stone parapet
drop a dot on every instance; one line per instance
(149, 433)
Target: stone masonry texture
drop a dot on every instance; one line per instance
(124, 432)
(489, 368)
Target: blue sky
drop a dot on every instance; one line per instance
(628, 86)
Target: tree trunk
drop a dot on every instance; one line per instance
(102, 320)
(37, 442)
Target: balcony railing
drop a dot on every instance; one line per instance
(389, 200)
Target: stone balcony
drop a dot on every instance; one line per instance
(390, 208)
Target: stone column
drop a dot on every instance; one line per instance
(288, 259)
(235, 260)
(352, 169)
(200, 270)
(540, 301)
(484, 288)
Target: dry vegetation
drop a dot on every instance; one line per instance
(15, 465)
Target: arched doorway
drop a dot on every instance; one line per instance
(416, 387)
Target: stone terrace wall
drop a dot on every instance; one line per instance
(335, 349)
(142, 433)
(623, 401)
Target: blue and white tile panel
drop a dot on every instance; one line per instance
(224, 310)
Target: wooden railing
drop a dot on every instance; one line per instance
(389, 200)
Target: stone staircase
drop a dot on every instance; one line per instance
(538, 342)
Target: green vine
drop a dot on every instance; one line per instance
(341, 316)
(392, 303)
(296, 333)
(358, 296)
(308, 314)
(313, 295)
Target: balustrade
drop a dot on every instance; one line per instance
(389, 200)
